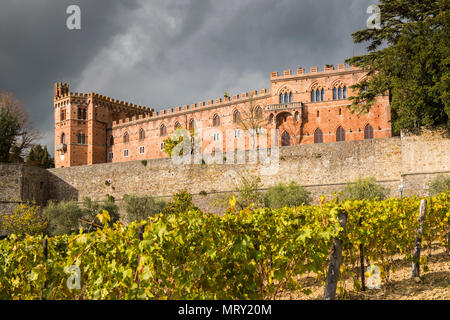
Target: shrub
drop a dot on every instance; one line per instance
(142, 207)
(203, 193)
(26, 219)
(247, 192)
(364, 188)
(92, 208)
(63, 217)
(181, 202)
(286, 195)
(439, 184)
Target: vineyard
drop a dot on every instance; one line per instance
(244, 254)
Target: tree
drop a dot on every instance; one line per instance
(251, 120)
(440, 184)
(181, 202)
(283, 195)
(26, 219)
(364, 188)
(40, 157)
(248, 193)
(142, 207)
(16, 131)
(63, 217)
(409, 58)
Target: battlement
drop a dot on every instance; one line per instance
(219, 102)
(328, 68)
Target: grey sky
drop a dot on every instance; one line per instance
(166, 53)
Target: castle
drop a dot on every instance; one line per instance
(305, 108)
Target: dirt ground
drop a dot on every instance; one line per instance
(434, 284)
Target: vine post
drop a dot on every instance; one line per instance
(361, 259)
(141, 237)
(418, 243)
(335, 261)
(45, 253)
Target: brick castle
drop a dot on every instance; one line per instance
(305, 108)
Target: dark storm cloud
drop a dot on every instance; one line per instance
(163, 53)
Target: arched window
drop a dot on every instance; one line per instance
(141, 134)
(271, 118)
(63, 138)
(345, 92)
(317, 95)
(79, 113)
(368, 132)
(285, 139)
(111, 140)
(162, 131)
(318, 136)
(237, 116)
(340, 93)
(286, 97)
(290, 97)
(334, 93)
(313, 96)
(216, 120)
(281, 98)
(126, 137)
(81, 138)
(322, 95)
(258, 113)
(296, 116)
(84, 114)
(340, 134)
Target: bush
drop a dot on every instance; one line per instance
(286, 195)
(181, 202)
(439, 184)
(142, 207)
(26, 219)
(364, 188)
(248, 194)
(63, 217)
(92, 208)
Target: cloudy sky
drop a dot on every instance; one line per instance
(166, 53)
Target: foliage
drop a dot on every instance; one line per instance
(25, 219)
(93, 208)
(409, 57)
(440, 184)
(286, 195)
(40, 157)
(181, 202)
(16, 131)
(248, 194)
(63, 217)
(142, 207)
(364, 188)
(246, 254)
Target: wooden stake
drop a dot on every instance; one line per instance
(418, 243)
(335, 262)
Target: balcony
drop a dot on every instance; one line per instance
(283, 106)
(61, 148)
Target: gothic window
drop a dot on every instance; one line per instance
(318, 136)
(317, 95)
(334, 93)
(340, 134)
(322, 95)
(216, 120)
(162, 131)
(126, 138)
(285, 139)
(313, 96)
(286, 97)
(63, 138)
(258, 113)
(111, 140)
(368, 132)
(236, 116)
(340, 93)
(345, 92)
(290, 97)
(79, 113)
(141, 134)
(281, 98)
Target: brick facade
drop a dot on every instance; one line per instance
(116, 131)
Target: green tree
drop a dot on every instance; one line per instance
(63, 217)
(26, 219)
(409, 58)
(40, 157)
(93, 208)
(286, 195)
(440, 184)
(16, 130)
(364, 188)
(181, 202)
(248, 193)
(142, 207)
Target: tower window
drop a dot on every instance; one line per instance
(318, 136)
(368, 132)
(340, 134)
